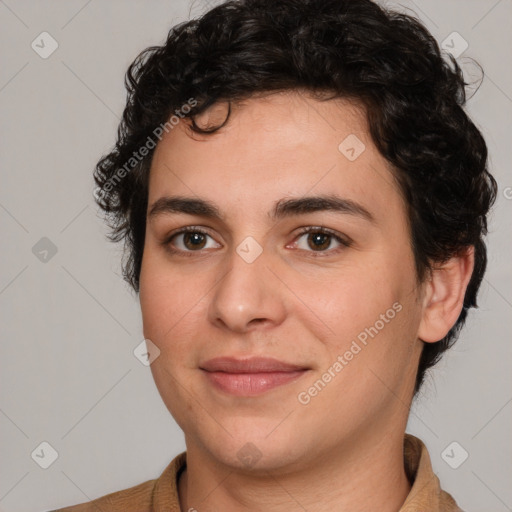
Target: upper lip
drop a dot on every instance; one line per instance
(250, 365)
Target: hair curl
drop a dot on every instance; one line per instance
(388, 61)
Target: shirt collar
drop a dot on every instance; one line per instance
(426, 493)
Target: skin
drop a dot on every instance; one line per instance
(303, 305)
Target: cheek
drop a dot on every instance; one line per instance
(155, 302)
(349, 299)
(170, 310)
(372, 303)
(174, 306)
(167, 297)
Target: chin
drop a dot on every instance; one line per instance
(254, 448)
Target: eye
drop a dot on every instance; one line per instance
(318, 239)
(190, 239)
(313, 239)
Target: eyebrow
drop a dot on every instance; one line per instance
(282, 208)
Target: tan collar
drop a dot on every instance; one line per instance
(426, 493)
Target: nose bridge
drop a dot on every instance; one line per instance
(248, 291)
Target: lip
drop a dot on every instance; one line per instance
(252, 376)
(249, 365)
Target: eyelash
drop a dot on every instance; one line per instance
(344, 242)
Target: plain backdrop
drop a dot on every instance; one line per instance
(69, 324)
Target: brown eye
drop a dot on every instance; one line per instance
(320, 240)
(194, 240)
(190, 240)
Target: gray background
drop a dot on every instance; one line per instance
(69, 325)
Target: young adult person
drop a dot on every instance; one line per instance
(303, 201)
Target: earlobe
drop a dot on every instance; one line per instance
(444, 296)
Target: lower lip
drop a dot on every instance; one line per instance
(251, 384)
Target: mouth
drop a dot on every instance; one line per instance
(250, 377)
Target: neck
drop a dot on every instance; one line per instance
(365, 474)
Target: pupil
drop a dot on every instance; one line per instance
(196, 239)
(322, 239)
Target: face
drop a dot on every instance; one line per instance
(339, 304)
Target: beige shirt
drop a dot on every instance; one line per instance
(161, 494)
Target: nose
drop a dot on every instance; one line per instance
(249, 295)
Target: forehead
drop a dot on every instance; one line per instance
(282, 144)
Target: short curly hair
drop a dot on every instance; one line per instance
(356, 49)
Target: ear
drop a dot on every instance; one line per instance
(444, 296)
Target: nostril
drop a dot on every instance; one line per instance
(257, 321)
